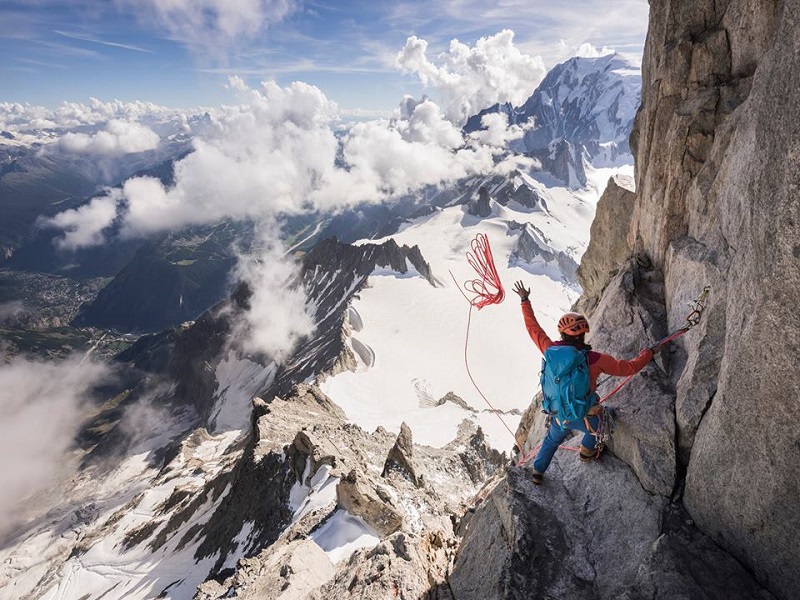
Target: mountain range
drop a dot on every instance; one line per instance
(379, 456)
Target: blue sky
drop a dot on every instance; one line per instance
(180, 53)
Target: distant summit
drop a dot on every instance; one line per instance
(588, 102)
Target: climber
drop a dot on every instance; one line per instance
(581, 408)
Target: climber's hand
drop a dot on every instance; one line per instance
(521, 291)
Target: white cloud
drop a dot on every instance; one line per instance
(83, 226)
(277, 153)
(585, 50)
(67, 115)
(117, 138)
(264, 157)
(473, 78)
(396, 157)
(278, 316)
(209, 25)
(40, 409)
(496, 131)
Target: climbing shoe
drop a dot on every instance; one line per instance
(587, 455)
(537, 477)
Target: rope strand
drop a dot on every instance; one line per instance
(486, 289)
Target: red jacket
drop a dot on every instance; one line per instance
(598, 362)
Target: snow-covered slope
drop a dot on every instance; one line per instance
(151, 525)
(589, 102)
(410, 337)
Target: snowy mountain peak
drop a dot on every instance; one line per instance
(589, 102)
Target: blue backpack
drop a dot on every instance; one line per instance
(566, 389)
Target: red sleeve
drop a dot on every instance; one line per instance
(539, 337)
(612, 366)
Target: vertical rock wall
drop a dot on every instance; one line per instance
(717, 147)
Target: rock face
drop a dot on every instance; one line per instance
(608, 244)
(717, 148)
(565, 161)
(481, 206)
(402, 566)
(589, 532)
(361, 495)
(400, 456)
(534, 248)
(285, 572)
(303, 443)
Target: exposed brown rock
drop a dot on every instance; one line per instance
(362, 496)
(717, 146)
(400, 456)
(402, 566)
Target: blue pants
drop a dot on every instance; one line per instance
(557, 434)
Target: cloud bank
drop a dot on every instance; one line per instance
(117, 138)
(276, 153)
(15, 116)
(469, 79)
(40, 409)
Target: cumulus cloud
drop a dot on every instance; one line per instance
(40, 409)
(469, 79)
(278, 316)
(496, 131)
(25, 117)
(396, 157)
(117, 138)
(587, 50)
(205, 25)
(277, 153)
(83, 226)
(263, 158)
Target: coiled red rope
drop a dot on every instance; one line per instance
(486, 289)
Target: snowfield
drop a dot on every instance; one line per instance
(409, 338)
(415, 334)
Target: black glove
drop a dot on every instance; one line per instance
(521, 291)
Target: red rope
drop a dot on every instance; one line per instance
(472, 379)
(669, 338)
(486, 289)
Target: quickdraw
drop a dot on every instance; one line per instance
(698, 306)
(605, 429)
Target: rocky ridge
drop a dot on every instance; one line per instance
(323, 452)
